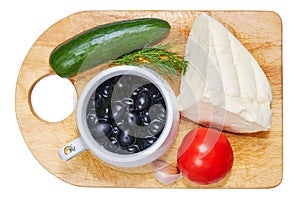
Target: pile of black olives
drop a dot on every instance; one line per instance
(126, 114)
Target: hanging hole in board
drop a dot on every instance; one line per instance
(53, 98)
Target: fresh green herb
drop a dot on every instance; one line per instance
(155, 57)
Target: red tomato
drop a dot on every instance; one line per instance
(205, 156)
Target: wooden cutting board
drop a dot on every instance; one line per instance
(258, 156)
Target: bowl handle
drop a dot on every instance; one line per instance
(71, 149)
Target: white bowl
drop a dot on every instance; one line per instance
(147, 155)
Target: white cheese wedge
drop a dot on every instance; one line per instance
(224, 87)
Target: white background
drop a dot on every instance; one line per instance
(23, 21)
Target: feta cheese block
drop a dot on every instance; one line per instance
(223, 87)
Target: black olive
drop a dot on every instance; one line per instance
(101, 131)
(95, 102)
(131, 120)
(162, 115)
(129, 102)
(115, 129)
(91, 119)
(118, 109)
(135, 116)
(158, 111)
(147, 142)
(145, 118)
(113, 135)
(155, 127)
(143, 101)
(138, 88)
(156, 96)
(154, 92)
(108, 90)
(105, 89)
(125, 138)
(104, 111)
(121, 126)
(134, 94)
(112, 146)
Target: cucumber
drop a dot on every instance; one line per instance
(105, 43)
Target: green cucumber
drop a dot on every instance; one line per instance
(105, 43)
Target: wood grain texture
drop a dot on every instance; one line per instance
(258, 156)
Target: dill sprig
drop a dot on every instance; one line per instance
(159, 57)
